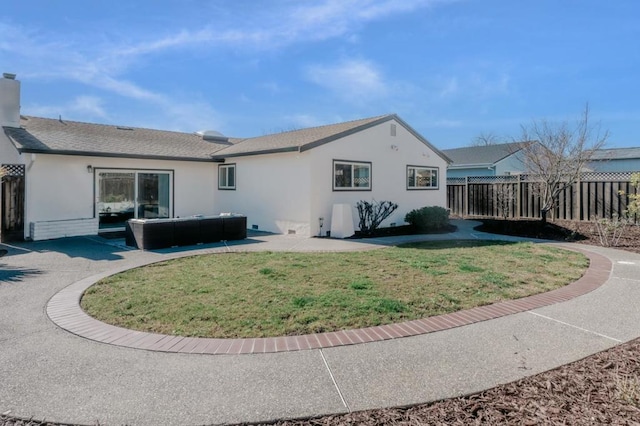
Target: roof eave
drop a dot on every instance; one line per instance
(112, 155)
(472, 166)
(221, 156)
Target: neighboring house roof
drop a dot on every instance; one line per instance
(51, 136)
(481, 156)
(615, 154)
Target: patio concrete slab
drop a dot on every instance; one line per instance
(455, 362)
(608, 310)
(61, 378)
(50, 373)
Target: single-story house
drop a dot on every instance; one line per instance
(69, 178)
(615, 160)
(488, 160)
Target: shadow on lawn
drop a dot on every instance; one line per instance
(447, 244)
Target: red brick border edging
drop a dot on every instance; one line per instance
(64, 310)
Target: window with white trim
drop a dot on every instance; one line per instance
(227, 176)
(419, 177)
(351, 176)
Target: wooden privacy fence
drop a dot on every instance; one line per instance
(595, 195)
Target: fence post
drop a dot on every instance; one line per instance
(466, 196)
(578, 199)
(519, 197)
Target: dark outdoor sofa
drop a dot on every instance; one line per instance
(150, 234)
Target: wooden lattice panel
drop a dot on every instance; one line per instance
(16, 170)
(493, 179)
(606, 176)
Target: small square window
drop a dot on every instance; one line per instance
(227, 176)
(419, 177)
(351, 176)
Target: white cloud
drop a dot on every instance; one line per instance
(354, 80)
(181, 39)
(83, 107)
(333, 18)
(276, 25)
(184, 116)
(89, 105)
(445, 123)
(477, 85)
(304, 120)
(272, 87)
(97, 61)
(450, 87)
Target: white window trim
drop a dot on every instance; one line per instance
(435, 170)
(225, 168)
(352, 164)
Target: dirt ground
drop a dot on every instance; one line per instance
(601, 389)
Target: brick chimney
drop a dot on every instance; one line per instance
(9, 100)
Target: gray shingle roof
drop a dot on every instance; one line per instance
(616, 154)
(298, 140)
(45, 135)
(481, 155)
(304, 139)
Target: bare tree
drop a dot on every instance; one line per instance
(486, 139)
(558, 154)
(505, 196)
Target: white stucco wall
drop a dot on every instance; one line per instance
(272, 190)
(388, 173)
(289, 192)
(60, 188)
(8, 153)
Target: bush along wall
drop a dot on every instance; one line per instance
(428, 219)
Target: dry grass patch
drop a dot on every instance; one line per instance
(273, 294)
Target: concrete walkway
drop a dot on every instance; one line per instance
(48, 372)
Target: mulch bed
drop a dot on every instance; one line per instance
(561, 230)
(601, 389)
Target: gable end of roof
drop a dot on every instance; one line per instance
(346, 133)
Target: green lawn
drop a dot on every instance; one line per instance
(275, 294)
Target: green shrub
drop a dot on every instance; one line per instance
(427, 219)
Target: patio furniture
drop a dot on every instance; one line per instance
(150, 234)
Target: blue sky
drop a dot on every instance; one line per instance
(451, 69)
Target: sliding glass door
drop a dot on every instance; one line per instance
(153, 195)
(127, 194)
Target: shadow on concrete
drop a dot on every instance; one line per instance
(82, 247)
(16, 275)
(220, 245)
